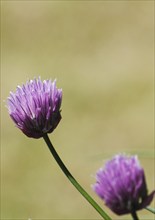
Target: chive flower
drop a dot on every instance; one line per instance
(35, 107)
(121, 184)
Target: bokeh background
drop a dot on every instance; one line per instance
(101, 53)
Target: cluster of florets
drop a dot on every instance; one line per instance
(121, 184)
(35, 107)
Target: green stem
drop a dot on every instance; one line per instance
(72, 179)
(134, 215)
(150, 209)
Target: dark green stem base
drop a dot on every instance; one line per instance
(73, 181)
(134, 215)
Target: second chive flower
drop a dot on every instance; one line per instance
(35, 107)
(121, 184)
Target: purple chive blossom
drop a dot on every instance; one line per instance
(121, 184)
(35, 107)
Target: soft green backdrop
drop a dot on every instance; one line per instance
(101, 53)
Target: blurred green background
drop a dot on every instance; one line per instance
(101, 53)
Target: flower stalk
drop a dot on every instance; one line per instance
(134, 215)
(73, 180)
(150, 209)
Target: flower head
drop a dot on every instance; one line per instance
(35, 107)
(121, 184)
